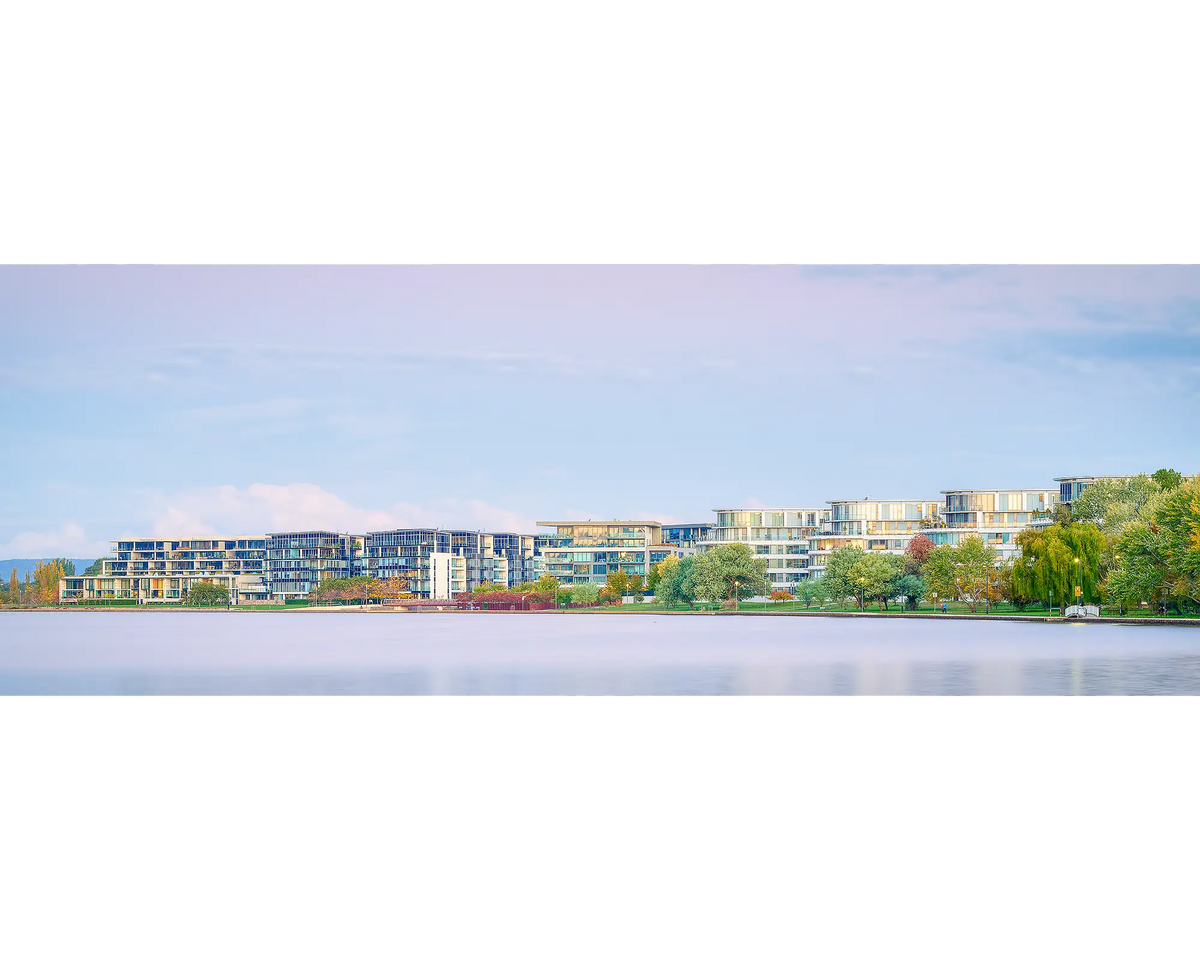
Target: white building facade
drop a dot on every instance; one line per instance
(588, 551)
(781, 535)
(880, 525)
(995, 515)
(156, 570)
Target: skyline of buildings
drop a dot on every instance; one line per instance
(437, 563)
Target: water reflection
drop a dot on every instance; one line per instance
(137, 654)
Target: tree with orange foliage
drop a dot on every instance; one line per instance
(45, 582)
(915, 553)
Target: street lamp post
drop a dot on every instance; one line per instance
(862, 594)
(1079, 570)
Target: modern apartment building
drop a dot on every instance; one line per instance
(156, 570)
(440, 563)
(521, 552)
(587, 551)
(885, 525)
(297, 561)
(996, 515)
(780, 534)
(685, 535)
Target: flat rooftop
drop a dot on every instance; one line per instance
(887, 500)
(606, 523)
(766, 510)
(1003, 490)
(185, 539)
(1100, 476)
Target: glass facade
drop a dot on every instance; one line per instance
(408, 554)
(893, 510)
(685, 534)
(521, 552)
(996, 515)
(1069, 490)
(153, 570)
(587, 552)
(883, 525)
(296, 561)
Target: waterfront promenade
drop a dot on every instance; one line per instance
(639, 610)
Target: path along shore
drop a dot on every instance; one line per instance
(632, 611)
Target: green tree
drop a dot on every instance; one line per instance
(1167, 479)
(938, 572)
(1139, 573)
(814, 590)
(730, 572)
(1047, 567)
(677, 581)
(585, 593)
(95, 568)
(206, 594)
(1003, 590)
(966, 572)
(617, 582)
(664, 569)
(1112, 504)
(636, 585)
(656, 572)
(1177, 517)
(837, 576)
(912, 589)
(546, 584)
(975, 568)
(878, 577)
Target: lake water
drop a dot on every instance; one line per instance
(176, 652)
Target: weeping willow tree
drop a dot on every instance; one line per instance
(1055, 560)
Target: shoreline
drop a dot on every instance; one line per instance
(855, 614)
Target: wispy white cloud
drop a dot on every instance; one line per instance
(69, 540)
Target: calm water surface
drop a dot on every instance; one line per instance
(176, 652)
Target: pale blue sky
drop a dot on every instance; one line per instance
(237, 399)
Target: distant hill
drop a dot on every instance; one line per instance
(23, 565)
